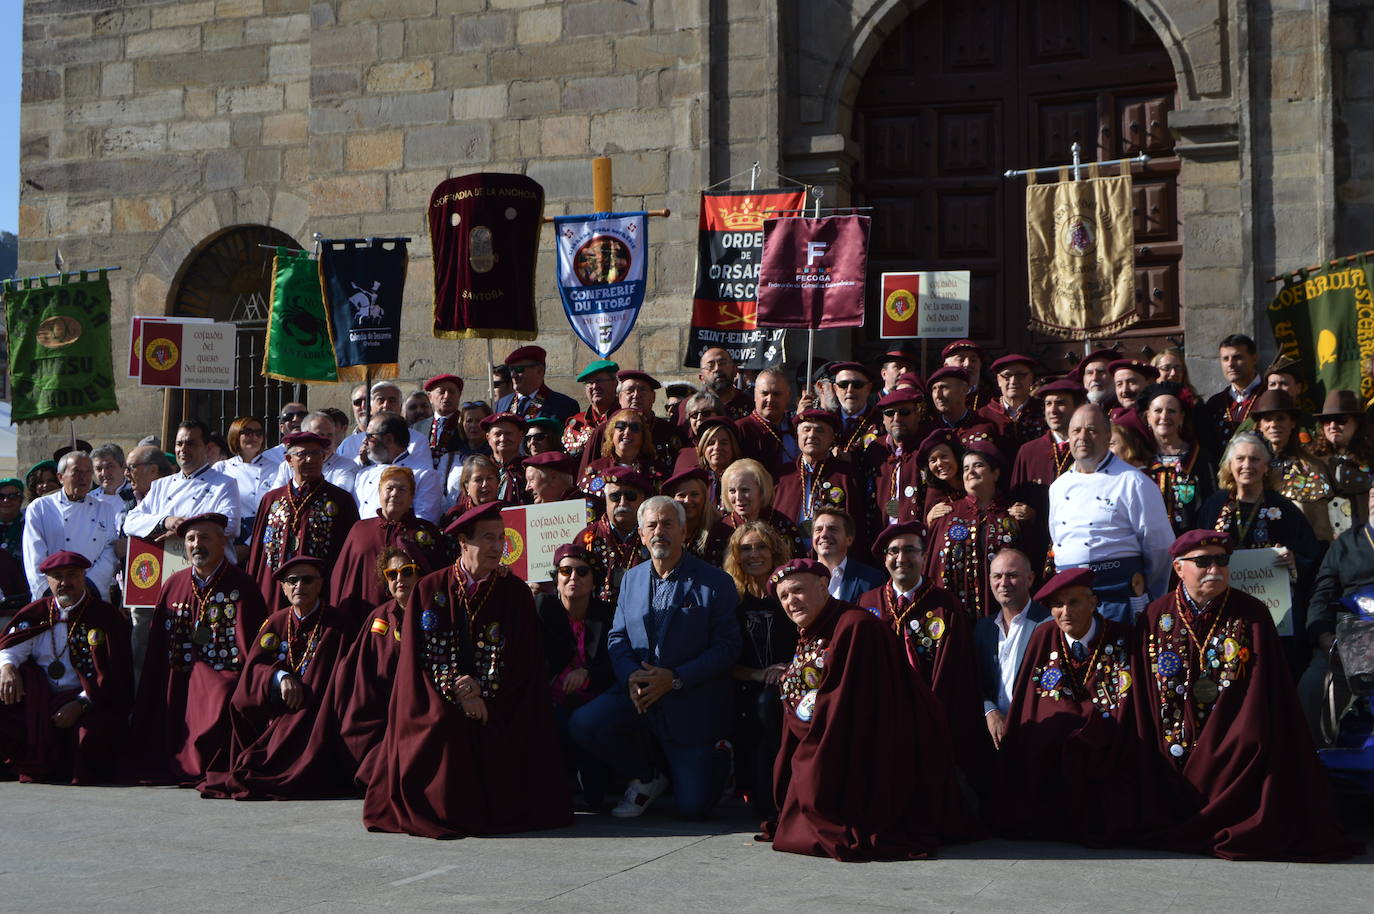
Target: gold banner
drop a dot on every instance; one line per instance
(1080, 257)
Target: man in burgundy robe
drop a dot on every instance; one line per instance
(202, 629)
(1216, 703)
(613, 539)
(1070, 762)
(276, 751)
(360, 693)
(1042, 460)
(598, 380)
(66, 681)
(504, 433)
(307, 516)
(938, 637)
(894, 462)
(470, 745)
(819, 480)
(848, 690)
(1017, 416)
(950, 395)
(767, 434)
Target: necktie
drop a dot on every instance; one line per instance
(1079, 651)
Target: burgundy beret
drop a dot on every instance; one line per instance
(296, 561)
(671, 484)
(573, 551)
(1128, 418)
(628, 476)
(64, 559)
(899, 396)
(1144, 369)
(1069, 577)
(946, 372)
(892, 531)
(988, 452)
(1064, 386)
(900, 354)
(441, 378)
(209, 517)
(796, 566)
(557, 461)
(518, 421)
(819, 415)
(465, 521)
(1012, 359)
(957, 345)
(634, 374)
(1097, 355)
(527, 354)
(945, 436)
(1199, 539)
(305, 438)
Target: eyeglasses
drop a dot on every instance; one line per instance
(851, 383)
(360, 401)
(1207, 561)
(754, 547)
(618, 497)
(405, 571)
(702, 414)
(895, 551)
(306, 455)
(475, 404)
(296, 417)
(633, 428)
(296, 580)
(518, 370)
(255, 432)
(902, 411)
(567, 571)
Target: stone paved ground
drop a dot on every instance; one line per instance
(110, 850)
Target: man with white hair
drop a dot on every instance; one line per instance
(72, 519)
(388, 438)
(673, 643)
(386, 398)
(338, 469)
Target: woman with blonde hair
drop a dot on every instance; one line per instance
(747, 494)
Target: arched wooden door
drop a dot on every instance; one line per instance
(964, 90)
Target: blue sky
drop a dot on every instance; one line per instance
(11, 56)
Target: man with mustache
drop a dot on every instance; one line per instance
(673, 643)
(1216, 705)
(613, 539)
(202, 629)
(718, 375)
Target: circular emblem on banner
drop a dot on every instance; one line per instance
(602, 259)
(146, 570)
(513, 548)
(161, 353)
(1078, 236)
(900, 305)
(57, 332)
(481, 250)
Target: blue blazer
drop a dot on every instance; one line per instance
(700, 643)
(985, 648)
(555, 406)
(858, 580)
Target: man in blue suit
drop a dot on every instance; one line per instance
(1000, 641)
(673, 643)
(532, 398)
(832, 533)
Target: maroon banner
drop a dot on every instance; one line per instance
(813, 272)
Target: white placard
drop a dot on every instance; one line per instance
(943, 305)
(1254, 572)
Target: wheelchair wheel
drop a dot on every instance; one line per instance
(1337, 700)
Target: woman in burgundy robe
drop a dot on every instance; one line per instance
(470, 745)
(865, 770)
(277, 752)
(355, 587)
(98, 650)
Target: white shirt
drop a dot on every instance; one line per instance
(253, 478)
(1238, 396)
(55, 522)
(837, 578)
(1116, 512)
(39, 648)
(339, 471)
(204, 491)
(429, 493)
(1086, 639)
(1011, 649)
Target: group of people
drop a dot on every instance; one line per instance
(891, 612)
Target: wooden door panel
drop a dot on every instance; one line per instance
(967, 142)
(892, 146)
(1156, 293)
(973, 35)
(1144, 125)
(1153, 210)
(1059, 30)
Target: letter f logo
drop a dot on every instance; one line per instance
(814, 249)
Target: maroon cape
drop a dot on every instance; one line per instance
(99, 652)
(355, 587)
(1242, 767)
(961, 547)
(315, 522)
(592, 481)
(763, 441)
(361, 690)
(896, 477)
(834, 488)
(1028, 425)
(181, 723)
(865, 770)
(437, 773)
(938, 637)
(279, 754)
(1070, 764)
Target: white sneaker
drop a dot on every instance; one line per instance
(638, 796)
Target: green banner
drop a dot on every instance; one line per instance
(61, 364)
(299, 347)
(1326, 318)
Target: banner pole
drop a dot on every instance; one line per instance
(816, 193)
(71, 424)
(491, 388)
(601, 184)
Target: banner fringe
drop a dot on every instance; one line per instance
(475, 333)
(384, 371)
(1038, 325)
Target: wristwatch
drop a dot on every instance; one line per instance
(677, 683)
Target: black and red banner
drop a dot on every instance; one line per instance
(729, 255)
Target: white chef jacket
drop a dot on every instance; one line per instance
(54, 522)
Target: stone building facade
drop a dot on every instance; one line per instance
(152, 127)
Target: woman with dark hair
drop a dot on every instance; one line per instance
(628, 442)
(1303, 479)
(252, 467)
(941, 479)
(40, 480)
(575, 623)
(1345, 442)
(1179, 465)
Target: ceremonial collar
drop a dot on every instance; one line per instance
(205, 580)
(1192, 604)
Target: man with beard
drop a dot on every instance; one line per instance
(202, 629)
(1095, 374)
(307, 516)
(864, 770)
(388, 440)
(598, 379)
(673, 643)
(767, 433)
(613, 539)
(818, 479)
(895, 466)
(1216, 703)
(718, 375)
(470, 745)
(275, 753)
(386, 397)
(66, 680)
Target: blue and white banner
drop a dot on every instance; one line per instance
(601, 275)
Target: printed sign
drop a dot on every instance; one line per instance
(148, 565)
(1254, 572)
(601, 275)
(943, 304)
(136, 336)
(534, 533)
(901, 294)
(191, 355)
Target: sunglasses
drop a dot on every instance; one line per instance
(754, 547)
(295, 580)
(567, 571)
(475, 404)
(405, 571)
(360, 401)
(850, 384)
(293, 417)
(618, 497)
(538, 436)
(633, 428)
(702, 414)
(518, 370)
(1207, 561)
(902, 411)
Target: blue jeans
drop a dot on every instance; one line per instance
(610, 728)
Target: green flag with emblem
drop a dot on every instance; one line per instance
(299, 347)
(1326, 318)
(61, 364)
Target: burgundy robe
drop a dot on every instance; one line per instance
(1028, 424)
(865, 769)
(668, 440)
(896, 477)
(833, 487)
(612, 554)
(961, 547)
(1241, 767)
(579, 428)
(971, 427)
(592, 482)
(312, 522)
(439, 774)
(278, 754)
(360, 692)
(1070, 764)
(938, 637)
(355, 587)
(764, 442)
(84, 753)
(511, 483)
(181, 720)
